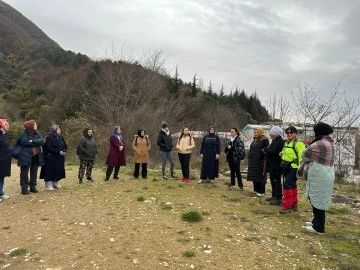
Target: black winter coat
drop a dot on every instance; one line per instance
(237, 151)
(87, 146)
(256, 160)
(5, 155)
(272, 155)
(54, 168)
(210, 146)
(28, 140)
(164, 141)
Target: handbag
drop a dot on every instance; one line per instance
(15, 152)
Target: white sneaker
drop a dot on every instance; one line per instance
(5, 197)
(308, 223)
(49, 185)
(260, 194)
(56, 184)
(312, 230)
(200, 181)
(0, 200)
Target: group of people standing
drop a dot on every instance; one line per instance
(284, 160)
(290, 159)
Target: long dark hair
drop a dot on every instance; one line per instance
(182, 134)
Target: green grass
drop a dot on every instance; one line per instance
(191, 216)
(188, 253)
(140, 198)
(18, 251)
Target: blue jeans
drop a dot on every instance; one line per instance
(1, 186)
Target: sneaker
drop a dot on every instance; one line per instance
(164, 177)
(89, 179)
(275, 202)
(308, 223)
(270, 199)
(187, 180)
(25, 192)
(285, 211)
(49, 185)
(56, 184)
(0, 200)
(106, 179)
(260, 194)
(33, 190)
(80, 181)
(241, 188)
(116, 178)
(182, 178)
(135, 178)
(5, 197)
(172, 177)
(312, 230)
(294, 207)
(200, 181)
(212, 181)
(231, 187)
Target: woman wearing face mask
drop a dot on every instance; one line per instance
(184, 146)
(141, 147)
(5, 157)
(235, 152)
(54, 152)
(116, 155)
(257, 163)
(210, 153)
(30, 157)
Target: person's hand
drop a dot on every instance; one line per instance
(31, 141)
(121, 147)
(201, 156)
(62, 153)
(229, 146)
(217, 156)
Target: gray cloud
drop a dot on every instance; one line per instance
(265, 46)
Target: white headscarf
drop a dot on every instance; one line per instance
(276, 130)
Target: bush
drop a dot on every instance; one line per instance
(191, 216)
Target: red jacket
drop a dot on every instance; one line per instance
(115, 156)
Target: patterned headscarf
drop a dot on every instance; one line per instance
(53, 129)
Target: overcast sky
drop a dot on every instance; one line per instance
(263, 46)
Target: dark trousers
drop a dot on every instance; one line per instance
(185, 165)
(24, 175)
(110, 169)
(143, 170)
(85, 165)
(235, 171)
(318, 220)
(276, 187)
(259, 187)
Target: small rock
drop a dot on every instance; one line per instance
(112, 240)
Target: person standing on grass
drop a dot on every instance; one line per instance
(164, 141)
(185, 144)
(257, 162)
(291, 156)
(5, 157)
(141, 147)
(87, 152)
(273, 160)
(210, 154)
(116, 155)
(235, 152)
(30, 157)
(317, 169)
(54, 156)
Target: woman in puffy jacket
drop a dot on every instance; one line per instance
(184, 145)
(87, 152)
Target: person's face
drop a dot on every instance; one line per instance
(6, 126)
(272, 136)
(90, 132)
(58, 131)
(118, 130)
(212, 130)
(256, 133)
(35, 126)
(142, 133)
(186, 131)
(166, 129)
(233, 133)
(290, 135)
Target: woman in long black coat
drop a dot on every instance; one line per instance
(257, 162)
(5, 157)
(210, 153)
(54, 152)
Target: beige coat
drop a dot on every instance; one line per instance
(141, 148)
(184, 146)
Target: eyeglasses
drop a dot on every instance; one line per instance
(289, 132)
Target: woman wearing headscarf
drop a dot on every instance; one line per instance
(210, 153)
(30, 157)
(87, 152)
(235, 152)
(184, 145)
(5, 157)
(116, 154)
(141, 147)
(291, 156)
(257, 162)
(54, 156)
(273, 160)
(317, 168)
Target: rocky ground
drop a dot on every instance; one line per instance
(136, 224)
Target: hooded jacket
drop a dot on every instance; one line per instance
(87, 146)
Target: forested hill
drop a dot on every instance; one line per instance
(39, 80)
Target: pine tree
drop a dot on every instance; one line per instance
(193, 87)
